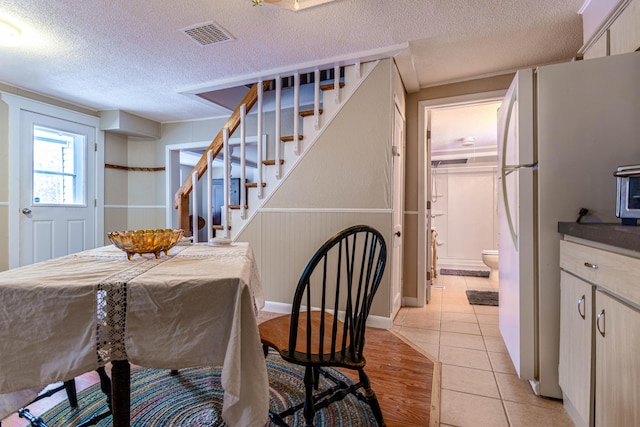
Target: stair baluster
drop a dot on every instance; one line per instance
(296, 114)
(243, 161)
(316, 99)
(259, 133)
(226, 181)
(278, 129)
(336, 84)
(194, 210)
(209, 221)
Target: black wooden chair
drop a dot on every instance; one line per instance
(69, 386)
(327, 324)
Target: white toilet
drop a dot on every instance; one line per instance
(490, 259)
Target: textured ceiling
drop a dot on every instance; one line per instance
(131, 55)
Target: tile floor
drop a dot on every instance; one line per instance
(479, 383)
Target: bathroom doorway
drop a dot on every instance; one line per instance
(459, 182)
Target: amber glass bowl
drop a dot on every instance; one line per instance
(145, 241)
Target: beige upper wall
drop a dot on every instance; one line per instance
(350, 165)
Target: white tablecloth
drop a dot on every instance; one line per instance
(68, 316)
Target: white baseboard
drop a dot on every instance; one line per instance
(410, 302)
(461, 265)
(372, 321)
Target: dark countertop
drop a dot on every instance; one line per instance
(621, 236)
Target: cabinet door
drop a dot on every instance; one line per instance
(576, 326)
(617, 363)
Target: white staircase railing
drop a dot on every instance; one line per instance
(286, 156)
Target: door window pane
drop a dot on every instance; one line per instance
(58, 167)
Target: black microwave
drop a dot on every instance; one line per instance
(628, 193)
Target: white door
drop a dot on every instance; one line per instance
(57, 187)
(398, 211)
(515, 224)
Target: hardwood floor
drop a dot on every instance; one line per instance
(401, 375)
(403, 379)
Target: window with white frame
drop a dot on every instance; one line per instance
(58, 167)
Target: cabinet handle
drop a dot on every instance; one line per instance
(588, 264)
(581, 303)
(601, 316)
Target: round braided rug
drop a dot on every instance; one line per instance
(193, 398)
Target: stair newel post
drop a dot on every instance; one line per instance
(259, 132)
(225, 182)
(243, 161)
(209, 221)
(278, 130)
(357, 67)
(194, 209)
(296, 113)
(316, 98)
(336, 84)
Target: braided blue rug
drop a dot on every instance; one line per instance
(193, 398)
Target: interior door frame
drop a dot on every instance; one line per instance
(398, 262)
(424, 179)
(16, 104)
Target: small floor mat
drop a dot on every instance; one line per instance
(483, 298)
(473, 273)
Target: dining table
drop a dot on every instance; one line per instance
(195, 306)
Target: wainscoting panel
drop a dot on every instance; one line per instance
(289, 239)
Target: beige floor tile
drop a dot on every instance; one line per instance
(486, 309)
(464, 357)
(460, 327)
(487, 319)
(454, 339)
(501, 362)
(400, 316)
(432, 349)
(422, 323)
(456, 308)
(479, 283)
(427, 336)
(523, 415)
(468, 380)
(495, 344)
(448, 316)
(490, 330)
(462, 409)
(513, 389)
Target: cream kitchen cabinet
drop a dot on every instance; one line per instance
(617, 363)
(600, 335)
(576, 356)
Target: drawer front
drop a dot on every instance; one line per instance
(619, 274)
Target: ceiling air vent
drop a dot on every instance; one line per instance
(207, 33)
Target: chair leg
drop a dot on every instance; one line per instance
(70, 387)
(372, 400)
(309, 411)
(265, 350)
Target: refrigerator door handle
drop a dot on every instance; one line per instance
(507, 169)
(504, 171)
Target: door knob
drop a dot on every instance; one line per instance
(26, 211)
(397, 233)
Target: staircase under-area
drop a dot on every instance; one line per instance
(255, 166)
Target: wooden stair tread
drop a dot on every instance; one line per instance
(308, 113)
(236, 207)
(254, 184)
(271, 162)
(289, 138)
(220, 227)
(330, 86)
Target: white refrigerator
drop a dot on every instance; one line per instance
(562, 131)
